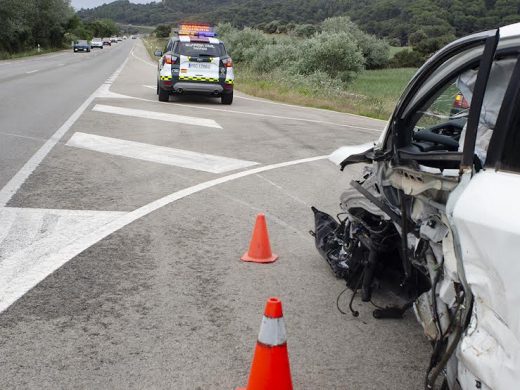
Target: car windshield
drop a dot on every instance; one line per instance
(81, 42)
(195, 49)
(96, 40)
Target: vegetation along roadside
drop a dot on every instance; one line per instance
(339, 68)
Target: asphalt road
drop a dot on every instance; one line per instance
(124, 224)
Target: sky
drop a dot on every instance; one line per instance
(78, 4)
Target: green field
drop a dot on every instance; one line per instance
(373, 93)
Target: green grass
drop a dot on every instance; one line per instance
(152, 43)
(27, 53)
(380, 89)
(374, 93)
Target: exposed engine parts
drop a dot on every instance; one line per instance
(394, 243)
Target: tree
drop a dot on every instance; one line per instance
(162, 31)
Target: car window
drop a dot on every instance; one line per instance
(511, 155)
(448, 69)
(504, 150)
(195, 49)
(448, 105)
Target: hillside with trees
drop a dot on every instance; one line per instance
(402, 21)
(47, 23)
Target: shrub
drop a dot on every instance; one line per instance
(375, 51)
(162, 31)
(334, 54)
(242, 44)
(407, 59)
(275, 56)
(304, 30)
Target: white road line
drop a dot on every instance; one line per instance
(160, 116)
(307, 108)
(140, 59)
(15, 281)
(191, 106)
(157, 154)
(32, 71)
(149, 86)
(7, 192)
(105, 92)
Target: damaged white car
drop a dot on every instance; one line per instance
(435, 216)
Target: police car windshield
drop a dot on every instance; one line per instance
(195, 49)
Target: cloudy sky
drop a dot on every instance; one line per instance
(78, 4)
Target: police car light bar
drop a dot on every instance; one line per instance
(205, 34)
(200, 29)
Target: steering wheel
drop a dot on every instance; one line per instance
(432, 134)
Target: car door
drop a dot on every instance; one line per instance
(486, 215)
(427, 135)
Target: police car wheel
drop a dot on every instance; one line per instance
(164, 95)
(226, 98)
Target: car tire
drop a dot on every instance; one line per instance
(164, 95)
(226, 98)
(157, 91)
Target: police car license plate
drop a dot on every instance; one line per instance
(197, 65)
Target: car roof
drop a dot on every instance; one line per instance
(192, 38)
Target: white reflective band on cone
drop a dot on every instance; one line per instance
(272, 332)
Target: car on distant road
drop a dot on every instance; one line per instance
(197, 63)
(96, 42)
(81, 45)
(119, 39)
(113, 39)
(107, 42)
(133, 37)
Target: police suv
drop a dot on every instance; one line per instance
(195, 62)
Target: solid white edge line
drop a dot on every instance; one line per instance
(50, 262)
(265, 115)
(14, 184)
(32, 71)
(308, 108)
(142, 60)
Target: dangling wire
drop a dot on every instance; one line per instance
(354, 312)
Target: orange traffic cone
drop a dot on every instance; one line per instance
(270, 368)
(260, 248)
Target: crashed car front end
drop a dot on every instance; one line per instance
(409, 224)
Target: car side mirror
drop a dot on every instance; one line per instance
(158, 53)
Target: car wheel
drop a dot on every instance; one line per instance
(157, 92)
(164, 95)
(227, 98)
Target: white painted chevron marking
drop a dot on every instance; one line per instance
(28, 235)
(158, 154)
(14, 285)
(160, 116)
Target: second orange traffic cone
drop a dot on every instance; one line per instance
(270, 369)
(260, 247)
